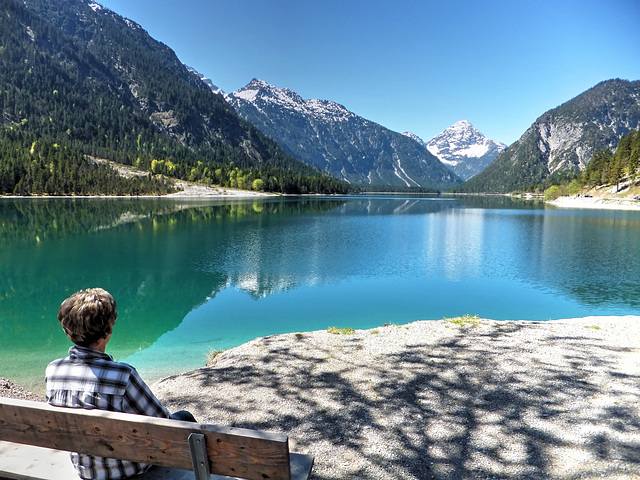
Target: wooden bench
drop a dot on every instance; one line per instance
(35, 438)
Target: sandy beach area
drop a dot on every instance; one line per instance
(462, 398)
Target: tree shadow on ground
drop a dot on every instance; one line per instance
(480, 402)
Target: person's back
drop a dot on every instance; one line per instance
(89, 378)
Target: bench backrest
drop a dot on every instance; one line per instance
(232, 452)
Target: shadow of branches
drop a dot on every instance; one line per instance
(432, 400)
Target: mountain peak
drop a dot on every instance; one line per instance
(260, 91)
(462, 129)
(257, 83)
(415, 137)
(462, 124)
(464, 149)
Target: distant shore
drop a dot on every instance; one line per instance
(609, 197)
(602, 203)
(194, 190)
(596, 199)
(188, 191)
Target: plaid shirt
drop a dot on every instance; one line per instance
(91, 379)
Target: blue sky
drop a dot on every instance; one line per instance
(408, 64)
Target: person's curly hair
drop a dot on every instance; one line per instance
(88, 316)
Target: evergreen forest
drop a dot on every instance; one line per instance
(31, 166)
(76, 82)
(604, 168)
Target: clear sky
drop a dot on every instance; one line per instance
(409, 65)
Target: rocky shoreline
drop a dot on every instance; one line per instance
(11, 390)
(463, 398)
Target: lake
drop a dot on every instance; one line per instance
(195, 276)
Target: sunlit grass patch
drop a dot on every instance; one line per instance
(341, 331)
(465, 320)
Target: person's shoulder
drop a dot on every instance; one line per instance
(57, 362)
(121, 366)
(109, 373)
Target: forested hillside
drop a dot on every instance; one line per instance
(562, 141)
(83, 77)
(606, 167)
(616, 172)
(30, 166)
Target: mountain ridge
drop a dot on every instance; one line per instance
(562, 140)
(328, 136)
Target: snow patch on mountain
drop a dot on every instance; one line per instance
(132, 24)
(247, 95)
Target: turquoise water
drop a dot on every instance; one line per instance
(195, 276)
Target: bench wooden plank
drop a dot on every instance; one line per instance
(232, 451)
(26, 462)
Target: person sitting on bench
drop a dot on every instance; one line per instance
(89, 378)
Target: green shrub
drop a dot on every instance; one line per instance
(552, 193)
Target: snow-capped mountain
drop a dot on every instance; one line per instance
(463, 149)
(326, 135)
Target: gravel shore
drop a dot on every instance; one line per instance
(461, 399)
(596, 203)
(11, 390)
(451, 399)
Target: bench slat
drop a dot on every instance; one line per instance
(26, 462)
(232, 451)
